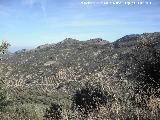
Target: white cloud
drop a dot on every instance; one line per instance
(31, 3)
(41, 3)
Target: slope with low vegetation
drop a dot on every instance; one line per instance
(92, 79)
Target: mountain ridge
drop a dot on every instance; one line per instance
(48, 67)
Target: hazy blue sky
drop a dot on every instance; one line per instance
(29, 23)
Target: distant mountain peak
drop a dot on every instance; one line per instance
(70, 40)
(147, 39)
(44, 46)
(133, 37)
(97, 41)
(128, 38)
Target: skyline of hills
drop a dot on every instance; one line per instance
(128, 69)
(71, 52)
(13, 49)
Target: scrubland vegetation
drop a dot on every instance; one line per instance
(125, 85)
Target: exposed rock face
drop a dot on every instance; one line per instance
(52, 65)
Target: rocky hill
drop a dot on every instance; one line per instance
(133, 39)
(73, 60)
(65, 61)
(128, 69)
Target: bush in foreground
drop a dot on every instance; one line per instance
(4, 101)
(54, 112)
(89, 98)
(148, 72)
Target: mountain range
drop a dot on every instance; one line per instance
(65, 66)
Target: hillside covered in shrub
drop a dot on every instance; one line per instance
(93, 80)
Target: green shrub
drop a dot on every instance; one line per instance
(4, 100)
(89, 98)
(54, 112)
(147, 74)
(3, 46)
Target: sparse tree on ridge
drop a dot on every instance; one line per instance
(4, 45)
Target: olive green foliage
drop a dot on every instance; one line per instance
(3, 93)
(4, 101)
(90, 98)
(4, 45)
(23, 112)
(49, 81)
(54, 112)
